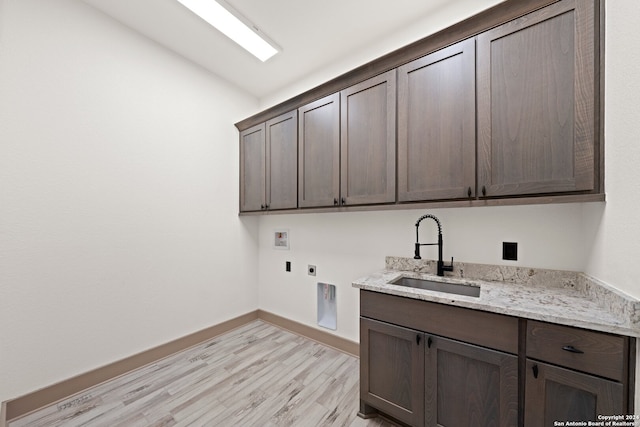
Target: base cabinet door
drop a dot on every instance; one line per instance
(392, 370)
(558, 394)
(469, 386)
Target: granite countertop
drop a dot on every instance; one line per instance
(562, 297)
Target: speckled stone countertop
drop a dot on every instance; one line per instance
(562, 297)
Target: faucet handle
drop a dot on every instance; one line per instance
(448, 267)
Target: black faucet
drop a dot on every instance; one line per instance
(441, 267)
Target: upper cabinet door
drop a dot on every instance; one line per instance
(319, 156)
(252, 168)
(536, 120)
(368, 128)
(282, 161)
(436, 125)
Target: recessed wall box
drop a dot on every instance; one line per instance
(327, 308)
(510, 251)
(281, 239)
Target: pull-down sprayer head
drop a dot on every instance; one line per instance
(441, 267)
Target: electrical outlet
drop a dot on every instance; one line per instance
(510, 251)
(311, 270)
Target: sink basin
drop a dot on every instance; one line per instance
(432, 285)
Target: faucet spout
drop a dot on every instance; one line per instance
(441, 268)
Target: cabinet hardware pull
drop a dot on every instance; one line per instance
(418, 339)
(261, 206)
(344, 202)
(335, 201)
(484, 190)
(535, 371)
(572, 349)
(469, 192)
(429, 342)
(266, 206)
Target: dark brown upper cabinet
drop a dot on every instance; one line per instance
(436, 125)
(501, 108)
(252, 169)
(368, 143)
(268, 164)
(319, 152)
(536, 110)
(282, 162)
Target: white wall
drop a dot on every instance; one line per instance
(422, 26)
(118, 195)
(600, 239)
(616, 226)
(345, 246)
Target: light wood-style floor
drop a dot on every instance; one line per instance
(257, 375)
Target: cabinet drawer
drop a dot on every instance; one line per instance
(597, 353)
(489, 330)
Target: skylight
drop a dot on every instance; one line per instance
(221, 16)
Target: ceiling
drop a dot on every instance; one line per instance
(312, 34)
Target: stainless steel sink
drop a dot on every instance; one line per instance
(432, 285)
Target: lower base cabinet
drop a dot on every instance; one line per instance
(392, 370)
(428, 364)
(556, 394)
(468, 385)
(423, 379)
(574, 374)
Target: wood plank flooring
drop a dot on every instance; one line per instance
(257, 375)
